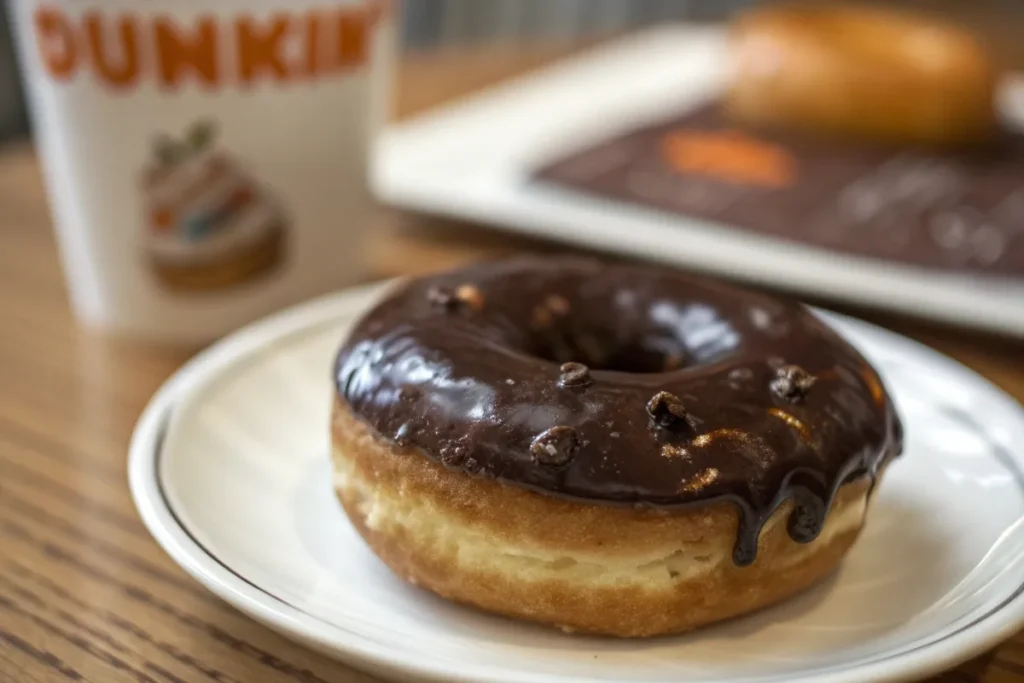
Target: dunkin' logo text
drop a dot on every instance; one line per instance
(123, 49)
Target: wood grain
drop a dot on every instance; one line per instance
(85, 594)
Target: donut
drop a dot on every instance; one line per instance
(608, 449)
(863, 73)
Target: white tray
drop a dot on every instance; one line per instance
(474, 159)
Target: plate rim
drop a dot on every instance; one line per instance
(163, 523)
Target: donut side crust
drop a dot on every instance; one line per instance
(591, 568)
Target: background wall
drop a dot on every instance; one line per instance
(429, 23)
(12, 111)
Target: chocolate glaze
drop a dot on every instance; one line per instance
(482, 389)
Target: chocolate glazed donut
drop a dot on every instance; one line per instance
(617, 450)
(621, 385)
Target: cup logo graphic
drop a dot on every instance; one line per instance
(209, 224)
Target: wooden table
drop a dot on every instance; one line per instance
(85, 594)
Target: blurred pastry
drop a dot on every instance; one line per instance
(609, 449)
(862, 72)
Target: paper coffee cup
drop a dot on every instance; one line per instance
(205, 161)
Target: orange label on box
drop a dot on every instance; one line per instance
(729, 155)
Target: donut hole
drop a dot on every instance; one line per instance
(632, 356)
(637, 348)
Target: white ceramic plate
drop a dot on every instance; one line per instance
(474, 159)
(229, 469)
